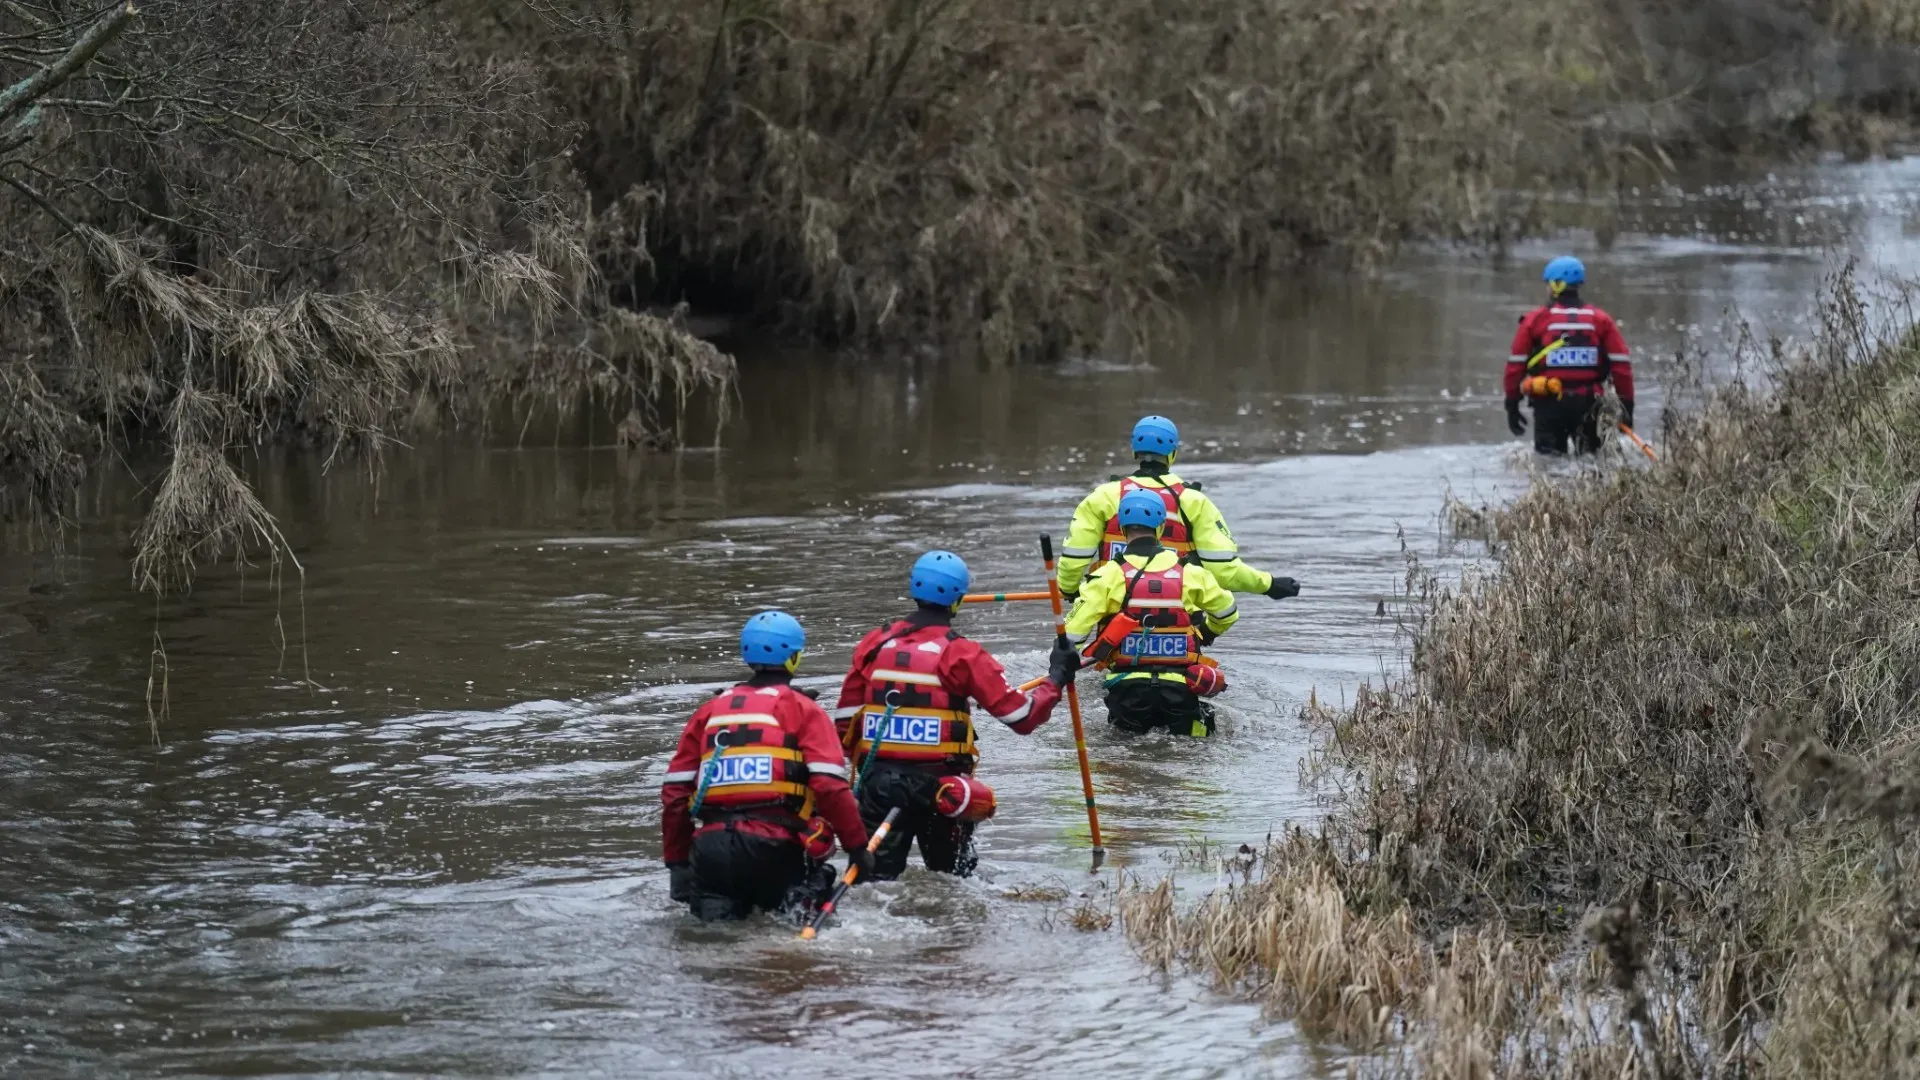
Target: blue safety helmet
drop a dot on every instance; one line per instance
(1156, 435)
(771, 639)
(1142, 508)
(939, 578)
(1565, 268)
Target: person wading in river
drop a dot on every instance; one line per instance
(1195, 530)
(1153, 612)
(1563, 356)
(906, 710)
(752, 766)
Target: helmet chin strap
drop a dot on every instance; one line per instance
(793, 662)
(1556, 288)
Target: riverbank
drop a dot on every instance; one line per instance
(384, 227)
(1038, 180)
(1644, 791)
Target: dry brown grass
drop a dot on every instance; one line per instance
(1291, 940)
(1646, 794)
(1026, 178)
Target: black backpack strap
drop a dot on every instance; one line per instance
(874, 653)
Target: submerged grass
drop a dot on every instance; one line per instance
(1643, 804)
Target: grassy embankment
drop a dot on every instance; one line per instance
(1644, 804)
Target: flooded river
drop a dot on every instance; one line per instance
(444, 860)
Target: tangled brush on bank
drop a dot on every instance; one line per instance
(1027, 178)
(1676, 729)
(223, 223)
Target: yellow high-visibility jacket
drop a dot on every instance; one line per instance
(1213, 545)
(1104, 593)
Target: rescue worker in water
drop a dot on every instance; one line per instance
(752, 767)
(1564, 354)
(1195, 529)
(906, 712)
(1153, 612)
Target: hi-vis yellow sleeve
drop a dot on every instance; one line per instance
(1100, 596)
(1216, 549)
(1084, 534)
(1207, 599)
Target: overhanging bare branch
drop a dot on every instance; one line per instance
(17, 97)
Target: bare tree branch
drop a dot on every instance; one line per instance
(23, 93)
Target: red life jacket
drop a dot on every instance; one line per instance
(1165, 637)
(1174, 535)
(931, 725)
(760, 767)
(1578, 357)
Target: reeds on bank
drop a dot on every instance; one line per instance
(1025, 178)
(1647, 793)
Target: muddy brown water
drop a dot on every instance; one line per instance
(445, 860)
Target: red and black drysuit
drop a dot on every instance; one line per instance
(1586, 353)
(780, 762)
(938, 676)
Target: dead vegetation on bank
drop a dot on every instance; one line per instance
(1646, 798)
(1025, 178)
(328, 220)
(224, 223)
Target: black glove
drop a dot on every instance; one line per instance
(680, 882)
(863, 859)
(1207, 636)
(1283, 587)
(1062, 662)
(811, 694)
(1515, 422)
(1626, 413)
(1069, 599)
